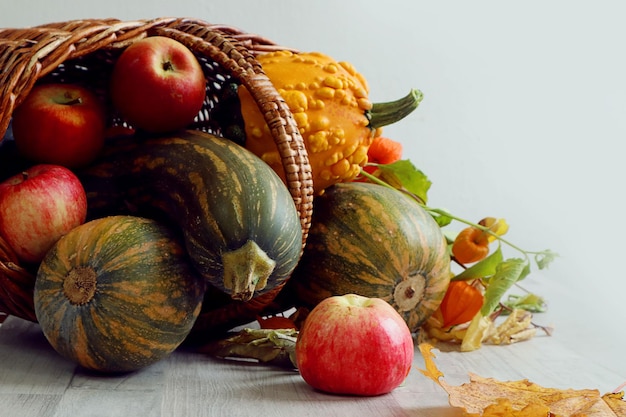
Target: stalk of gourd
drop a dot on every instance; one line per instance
(329, 101)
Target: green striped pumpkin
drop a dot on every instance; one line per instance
(117, 294)
(374, 241)
(237, 217)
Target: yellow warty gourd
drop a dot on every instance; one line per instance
(330, 104)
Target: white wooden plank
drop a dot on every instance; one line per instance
(107, 403)
(206, 387)
(132, 394)
(29, 364)
(28, 405)
(149, 379)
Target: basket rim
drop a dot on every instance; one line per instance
(44, 47)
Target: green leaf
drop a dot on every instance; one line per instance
(525, 272)
(485, 268)
(441, 219)
(543, 259)
(507, 273)
(403, 174)
(529, 302)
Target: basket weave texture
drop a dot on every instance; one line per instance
(83, 51)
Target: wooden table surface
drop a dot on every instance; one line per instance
(35, 381)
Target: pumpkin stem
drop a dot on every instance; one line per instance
(246, 270)
(383, 114)
(79, 285)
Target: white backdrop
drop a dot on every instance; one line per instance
(523, 118)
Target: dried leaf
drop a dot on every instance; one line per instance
(615, 401)
(272, 346)
(503, 408)
(479, 329)
(480, 392)
(517, 327)
(487, 397)
(431, 370)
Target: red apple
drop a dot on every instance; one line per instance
(60, 124)
(355, 345)
(158, 85)
(37, 207)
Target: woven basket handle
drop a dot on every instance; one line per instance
(277, 115)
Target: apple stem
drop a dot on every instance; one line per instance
(24, 175)
(77, 100)
(70, 100)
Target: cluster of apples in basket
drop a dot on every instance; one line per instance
(156, 84)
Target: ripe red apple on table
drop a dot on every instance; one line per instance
(356, 345)
(60, 124)
(37, 207)
(158, 85)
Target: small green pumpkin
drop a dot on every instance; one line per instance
(374, 241)
(117, 294)
(240, 224)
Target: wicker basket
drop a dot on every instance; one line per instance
(83, 51)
